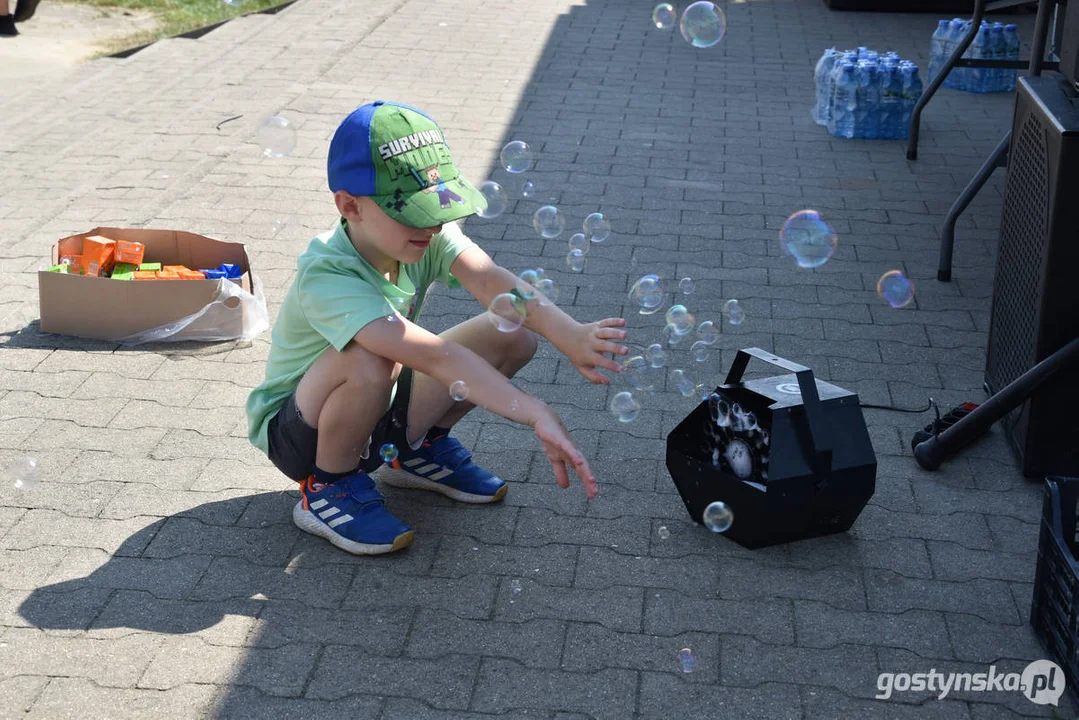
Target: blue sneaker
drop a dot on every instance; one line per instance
(444, 466)
(352, 515)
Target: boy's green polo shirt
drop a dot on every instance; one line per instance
(334, 295)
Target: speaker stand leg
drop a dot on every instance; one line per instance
(932, 452)
(998, 158)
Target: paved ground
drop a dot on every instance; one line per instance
(155, 571)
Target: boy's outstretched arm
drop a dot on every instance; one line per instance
(584, 344)
(402, 341)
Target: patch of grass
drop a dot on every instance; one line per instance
(175, 16)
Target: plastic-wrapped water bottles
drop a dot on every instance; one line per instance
(867, 113)
(844, 101)
(993, 41)
(821, 78)
(956, 32)
(937, 47)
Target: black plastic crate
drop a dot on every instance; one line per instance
(1054, 610)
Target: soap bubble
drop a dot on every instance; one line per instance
(703, 24)
(388, 452)
(720, 409)
(575, 260)
(734, 312)
(515, 586)
(234, 3)
(686, 660)
(680, 318)
(664, 16)
(655, 355)
(673, 337)
(526, 283)
(739, 457)
(277, 137)
(663, 532)
(699, 350)
(528, 189)
(578, 241)
(718, 517)
(702, 391)
(21, 474)
(516, 157)
(596, 227)
(459, 390)
(549, 222)
(635, 370)
(682, 383)
(547, 291)
(808, 238)
(647, 294)
(496, 199)
(686, 286)
(707, 333)
(895, 288)
(506, 312)
(625, 407)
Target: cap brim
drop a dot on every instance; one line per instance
(457, 199)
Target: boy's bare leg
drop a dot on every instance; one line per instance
(343, 395)
(431, 404)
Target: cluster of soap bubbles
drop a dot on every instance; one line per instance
(812, 242)
(703, 24)
(276, 136)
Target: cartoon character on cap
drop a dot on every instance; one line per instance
(435, 183)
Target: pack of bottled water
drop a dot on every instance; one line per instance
(863, 94)
(994, 41)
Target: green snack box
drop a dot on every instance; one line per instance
(123, 271)
(61, 268)
(155, 267)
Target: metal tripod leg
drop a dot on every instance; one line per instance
(998, 158)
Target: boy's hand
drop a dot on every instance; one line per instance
(586, 344)
(560, 450)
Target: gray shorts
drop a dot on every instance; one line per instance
(292, 442)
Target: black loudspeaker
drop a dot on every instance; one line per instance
(789, 455)
(1069, 43)
(1035, 309)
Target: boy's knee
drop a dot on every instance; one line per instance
(523, 345)
(367, 370)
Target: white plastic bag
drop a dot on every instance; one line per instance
(233, 314)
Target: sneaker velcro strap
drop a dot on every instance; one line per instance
(450, 452)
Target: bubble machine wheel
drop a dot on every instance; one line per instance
(790, 455)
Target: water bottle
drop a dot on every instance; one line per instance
(840, 58)
(820, 77)
(1012, 46)
(912, 90)
(936, 48)
(862, 51)
(1000, 52)
(844, 102)
(981, 49)
(891, 99)
(955, 36)
(867, 115)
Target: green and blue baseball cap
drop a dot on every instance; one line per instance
(397, 156)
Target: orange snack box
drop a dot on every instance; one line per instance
(145, 275)
(98, 255)
(191, 275)
(166, 275)
(174, 268)
(129, 252)
(74, 264)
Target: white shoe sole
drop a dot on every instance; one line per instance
(309, 522)
(404, 479)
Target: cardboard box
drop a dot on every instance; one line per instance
(106, 309)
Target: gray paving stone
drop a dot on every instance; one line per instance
(849, 668)
(445, 683)
(663, 695)
(248, 702)
(505, 684)
(82, 698)
(921, 631)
